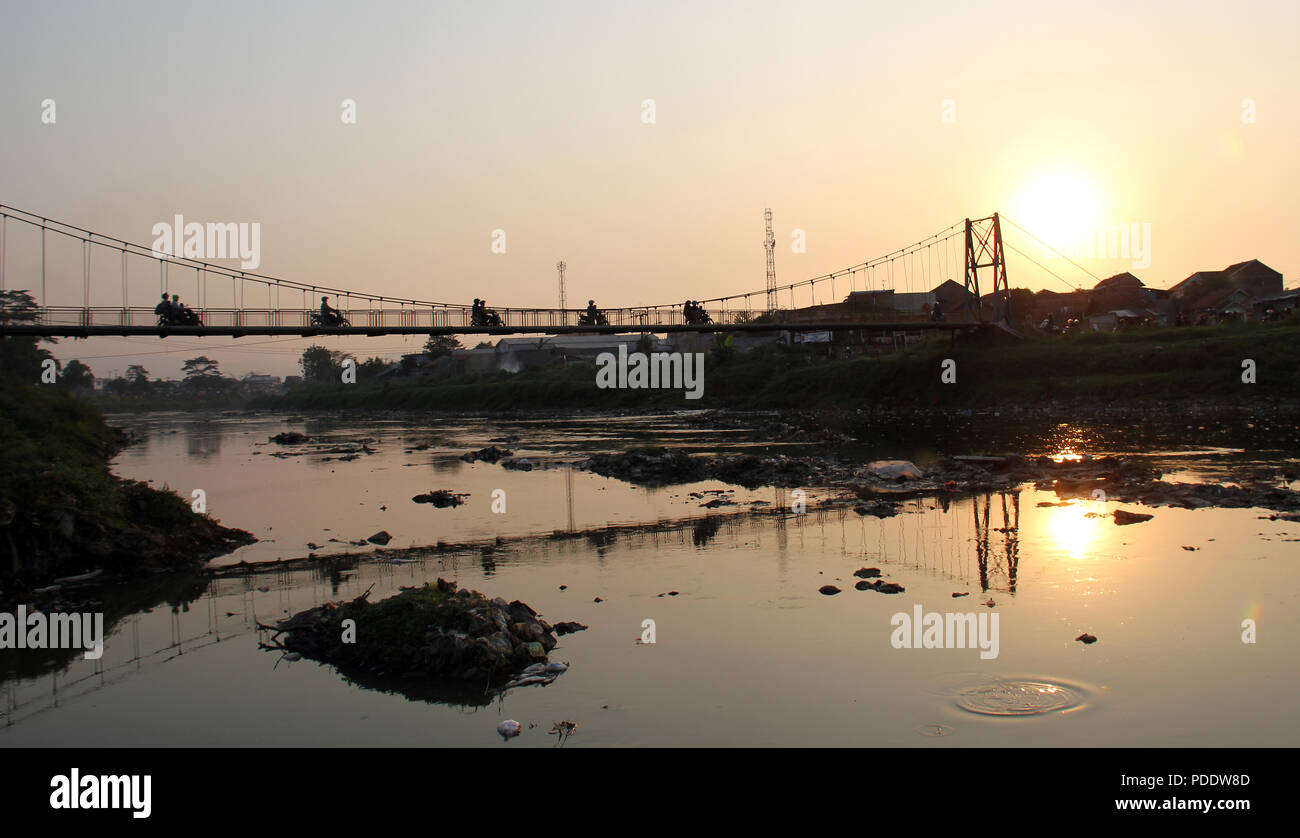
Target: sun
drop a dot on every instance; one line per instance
(1063, 208)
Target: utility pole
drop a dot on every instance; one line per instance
(769, 244)
(564, 315)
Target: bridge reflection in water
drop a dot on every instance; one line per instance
(945, 539)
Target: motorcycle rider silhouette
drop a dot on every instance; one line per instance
(481, 315)
(328, 317)
(695, 314)
(173, 313)
(593, 317)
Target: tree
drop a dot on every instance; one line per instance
(371, 367)
(438, 345)
(77, 376)
(1021, 301)
(137, 375)
(320, 364)
(21, 357)
(201, 371)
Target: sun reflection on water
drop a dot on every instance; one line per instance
(1074, 529)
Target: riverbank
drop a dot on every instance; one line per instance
(64, 514)
(1133, 367)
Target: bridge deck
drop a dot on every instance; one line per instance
(374, 331)
(96, 322)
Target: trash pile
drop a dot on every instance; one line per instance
(440, 632)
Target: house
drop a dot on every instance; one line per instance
(1278, 303)
(888, 301)
(954, 300)
(1060, 306)
(514, 354)
(1229, 301)
(1121, 291)
(1118, 281)
(1253, 277)
(261, 380)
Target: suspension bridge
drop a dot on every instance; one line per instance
(235, 303)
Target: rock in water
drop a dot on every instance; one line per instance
(508, 728)
(488, 455)
(1086, 638)
(441, 498)
(894, 470)
(828, 590)
(1122, 517)
(381, 538)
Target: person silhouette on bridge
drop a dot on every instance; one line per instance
(164, 309)
(181, 314)
(328, 314)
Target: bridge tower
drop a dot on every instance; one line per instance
(769, 244)
(984, 250)
(564, 317)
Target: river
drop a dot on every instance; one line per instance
(747, 651)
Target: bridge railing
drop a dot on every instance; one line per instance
(412, 317)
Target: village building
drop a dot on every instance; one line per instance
(1232, 291)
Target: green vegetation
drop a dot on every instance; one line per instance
(54, 451)
(1131, 366)
(398, 625)
(61, 510)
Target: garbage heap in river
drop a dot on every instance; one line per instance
(433, 632)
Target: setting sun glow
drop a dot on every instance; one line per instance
(1063, 208)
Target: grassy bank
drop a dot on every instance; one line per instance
(63, 512)
(1135, 366)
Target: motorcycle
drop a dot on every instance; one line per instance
(598, 320)
(189, 317)
(333, 321)
(487, 318)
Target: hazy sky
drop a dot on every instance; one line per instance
(528, 117)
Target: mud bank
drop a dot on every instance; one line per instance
(1127, 479)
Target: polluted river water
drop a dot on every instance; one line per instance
(746, 651)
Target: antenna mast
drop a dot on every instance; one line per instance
(769, 244)
(564, 315)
